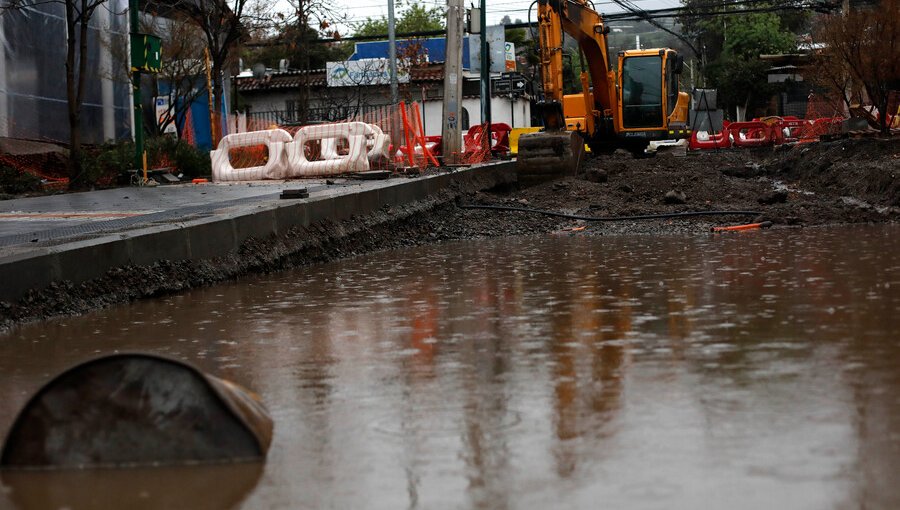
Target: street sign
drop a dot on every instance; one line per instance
(518, 84)
(509, 54)
(501, 86)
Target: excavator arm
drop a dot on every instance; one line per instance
(586, 27)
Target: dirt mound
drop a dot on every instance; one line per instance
(866, 169)
(848, 181)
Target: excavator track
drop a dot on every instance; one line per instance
(549, 154)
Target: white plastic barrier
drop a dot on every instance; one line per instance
(378, 143)
(356, 159)
(275, 167)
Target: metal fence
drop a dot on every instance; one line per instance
(313, 115)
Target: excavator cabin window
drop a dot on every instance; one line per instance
(642, 92)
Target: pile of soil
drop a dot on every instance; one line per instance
(845, 181)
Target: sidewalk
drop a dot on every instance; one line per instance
(80, 236)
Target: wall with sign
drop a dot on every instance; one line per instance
(355, 73)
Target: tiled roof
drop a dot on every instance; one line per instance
(433, 71)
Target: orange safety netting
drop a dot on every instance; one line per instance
(823, 115)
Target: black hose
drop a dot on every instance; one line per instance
(609, 218)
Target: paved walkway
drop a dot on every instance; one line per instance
(49, 220)
(80, 236)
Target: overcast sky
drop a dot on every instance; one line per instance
(358, 10)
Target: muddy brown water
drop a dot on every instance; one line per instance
(758, 370)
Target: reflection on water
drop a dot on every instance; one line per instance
(743, 371)
(213, 487)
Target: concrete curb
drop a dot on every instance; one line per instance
(222, 233)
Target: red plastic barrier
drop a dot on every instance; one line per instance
(715, 141)
(499, 137)
(754, 134)
(793, 129)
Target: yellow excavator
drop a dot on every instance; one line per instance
(626, 108)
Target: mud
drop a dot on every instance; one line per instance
(846, 181)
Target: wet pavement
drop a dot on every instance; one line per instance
(755, 370)
(54, 218)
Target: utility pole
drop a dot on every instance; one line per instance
(451, 136)
(392, 52)
(485, 78)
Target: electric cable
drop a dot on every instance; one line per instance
(608, 218)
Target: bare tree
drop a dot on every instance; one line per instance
(308, 20)
(224, 24)
(78, 14)
(861, 52)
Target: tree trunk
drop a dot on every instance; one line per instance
(82, 179)
(75, 158)
(218, 88)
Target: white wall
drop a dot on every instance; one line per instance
(516, 113)
(268, 101)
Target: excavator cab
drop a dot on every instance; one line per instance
(650, 107)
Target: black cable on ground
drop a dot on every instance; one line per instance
(609, 218)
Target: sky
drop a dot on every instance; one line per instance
(357, 11)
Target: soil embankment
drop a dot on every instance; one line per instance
(847, 181)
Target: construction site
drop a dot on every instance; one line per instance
(636, 255)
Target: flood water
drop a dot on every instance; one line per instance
(757, 370)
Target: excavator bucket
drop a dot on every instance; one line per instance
(549, 154)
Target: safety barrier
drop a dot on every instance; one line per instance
(320, 150)
(328, 136)
(792, 128)
(274, 168)
(764, 132)
(753, 134)
(377, 144)
(705, 140)
(475, 150)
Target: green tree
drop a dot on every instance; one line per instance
(731, 44)
(297, 44)
(413, 17)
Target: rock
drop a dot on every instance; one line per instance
(596, 175)
(329, 182)
(773, 197)
(523, 201)
(743, 172)
(626, 188)
(675, 197)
